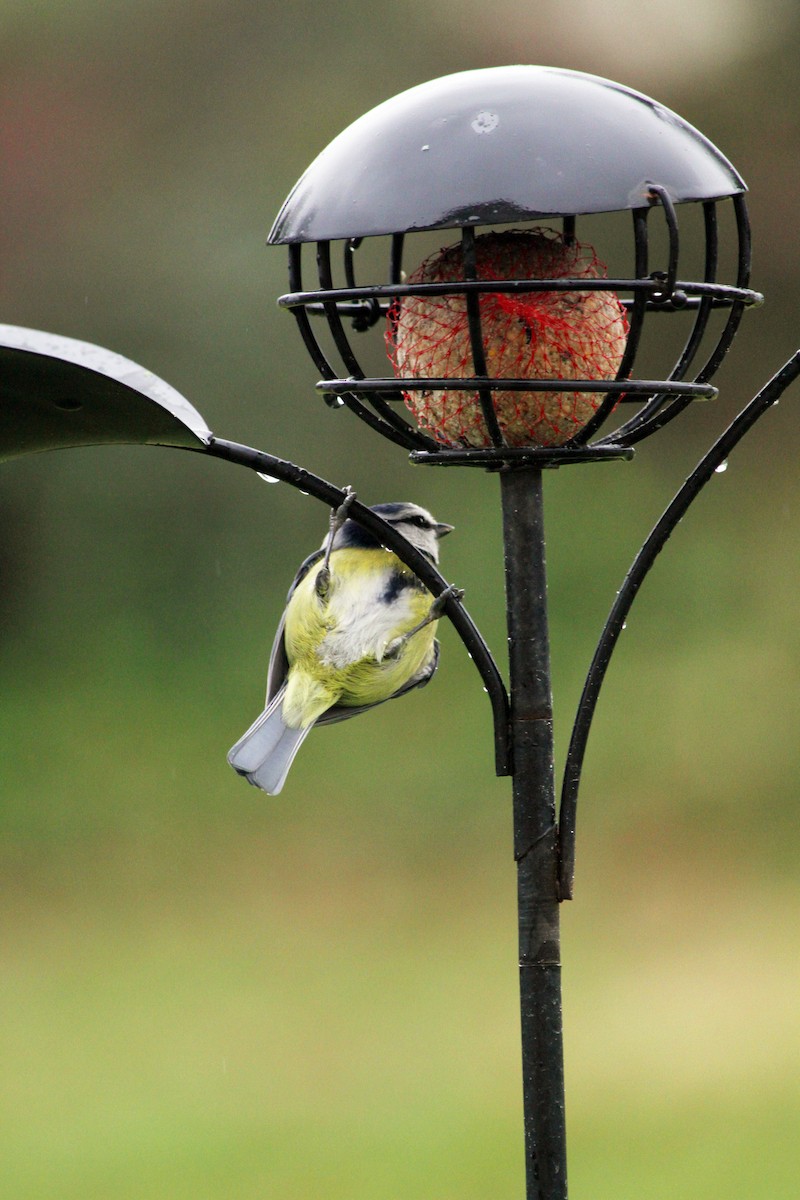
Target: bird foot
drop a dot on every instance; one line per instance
(322, 583)
(339, 515)
(434, 613)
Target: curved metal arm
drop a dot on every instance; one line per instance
(644, 560)
(320, 489)
(59, 392)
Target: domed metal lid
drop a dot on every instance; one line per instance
(58, 392)
(498, 145)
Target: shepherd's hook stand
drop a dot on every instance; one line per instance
(535, 832)
(493, 147)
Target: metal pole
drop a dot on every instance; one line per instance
(535, 835)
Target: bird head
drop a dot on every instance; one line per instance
(414, 522)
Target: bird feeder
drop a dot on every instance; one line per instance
(501, 282)
(514, 346)
(517, 159)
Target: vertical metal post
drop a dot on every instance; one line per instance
(535, 835)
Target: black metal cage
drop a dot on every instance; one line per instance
(511, 145)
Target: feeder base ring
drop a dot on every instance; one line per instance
(503, 458)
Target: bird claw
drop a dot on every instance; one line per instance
(339, 515)
(434, 612)
(440, 603)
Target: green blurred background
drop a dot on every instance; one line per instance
(209, 993)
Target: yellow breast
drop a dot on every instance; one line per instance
(336, 646)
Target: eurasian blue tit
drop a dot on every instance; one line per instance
(358, 629)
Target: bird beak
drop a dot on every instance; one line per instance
(442, 529)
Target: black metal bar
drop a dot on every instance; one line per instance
(532, 456)
(535, 838)
(404, 436)
(337, 399)
(338, 334)
(663, 408)
(350, 247)
(672, 297)
(644, 560)
(638, 310)
(306, 332)
(363, 311)
(661, 195)
(395, 277)
(652, 416)
(644, 425)
(396, 258)
(706, 305)
(724, 293)
(742, 280)
(627, 387)
(476, 338)
(741, 302)
(368, 313)
(329, 494)
(408, 435)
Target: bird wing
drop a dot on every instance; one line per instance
(278, 662)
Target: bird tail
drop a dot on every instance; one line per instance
(266, 751)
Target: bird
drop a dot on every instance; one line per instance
(358, 629)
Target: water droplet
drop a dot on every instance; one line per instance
(267, 478)
(722, 468)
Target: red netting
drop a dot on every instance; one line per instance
(537, 335)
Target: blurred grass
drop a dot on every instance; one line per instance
(312, 1016)
(208, 993)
